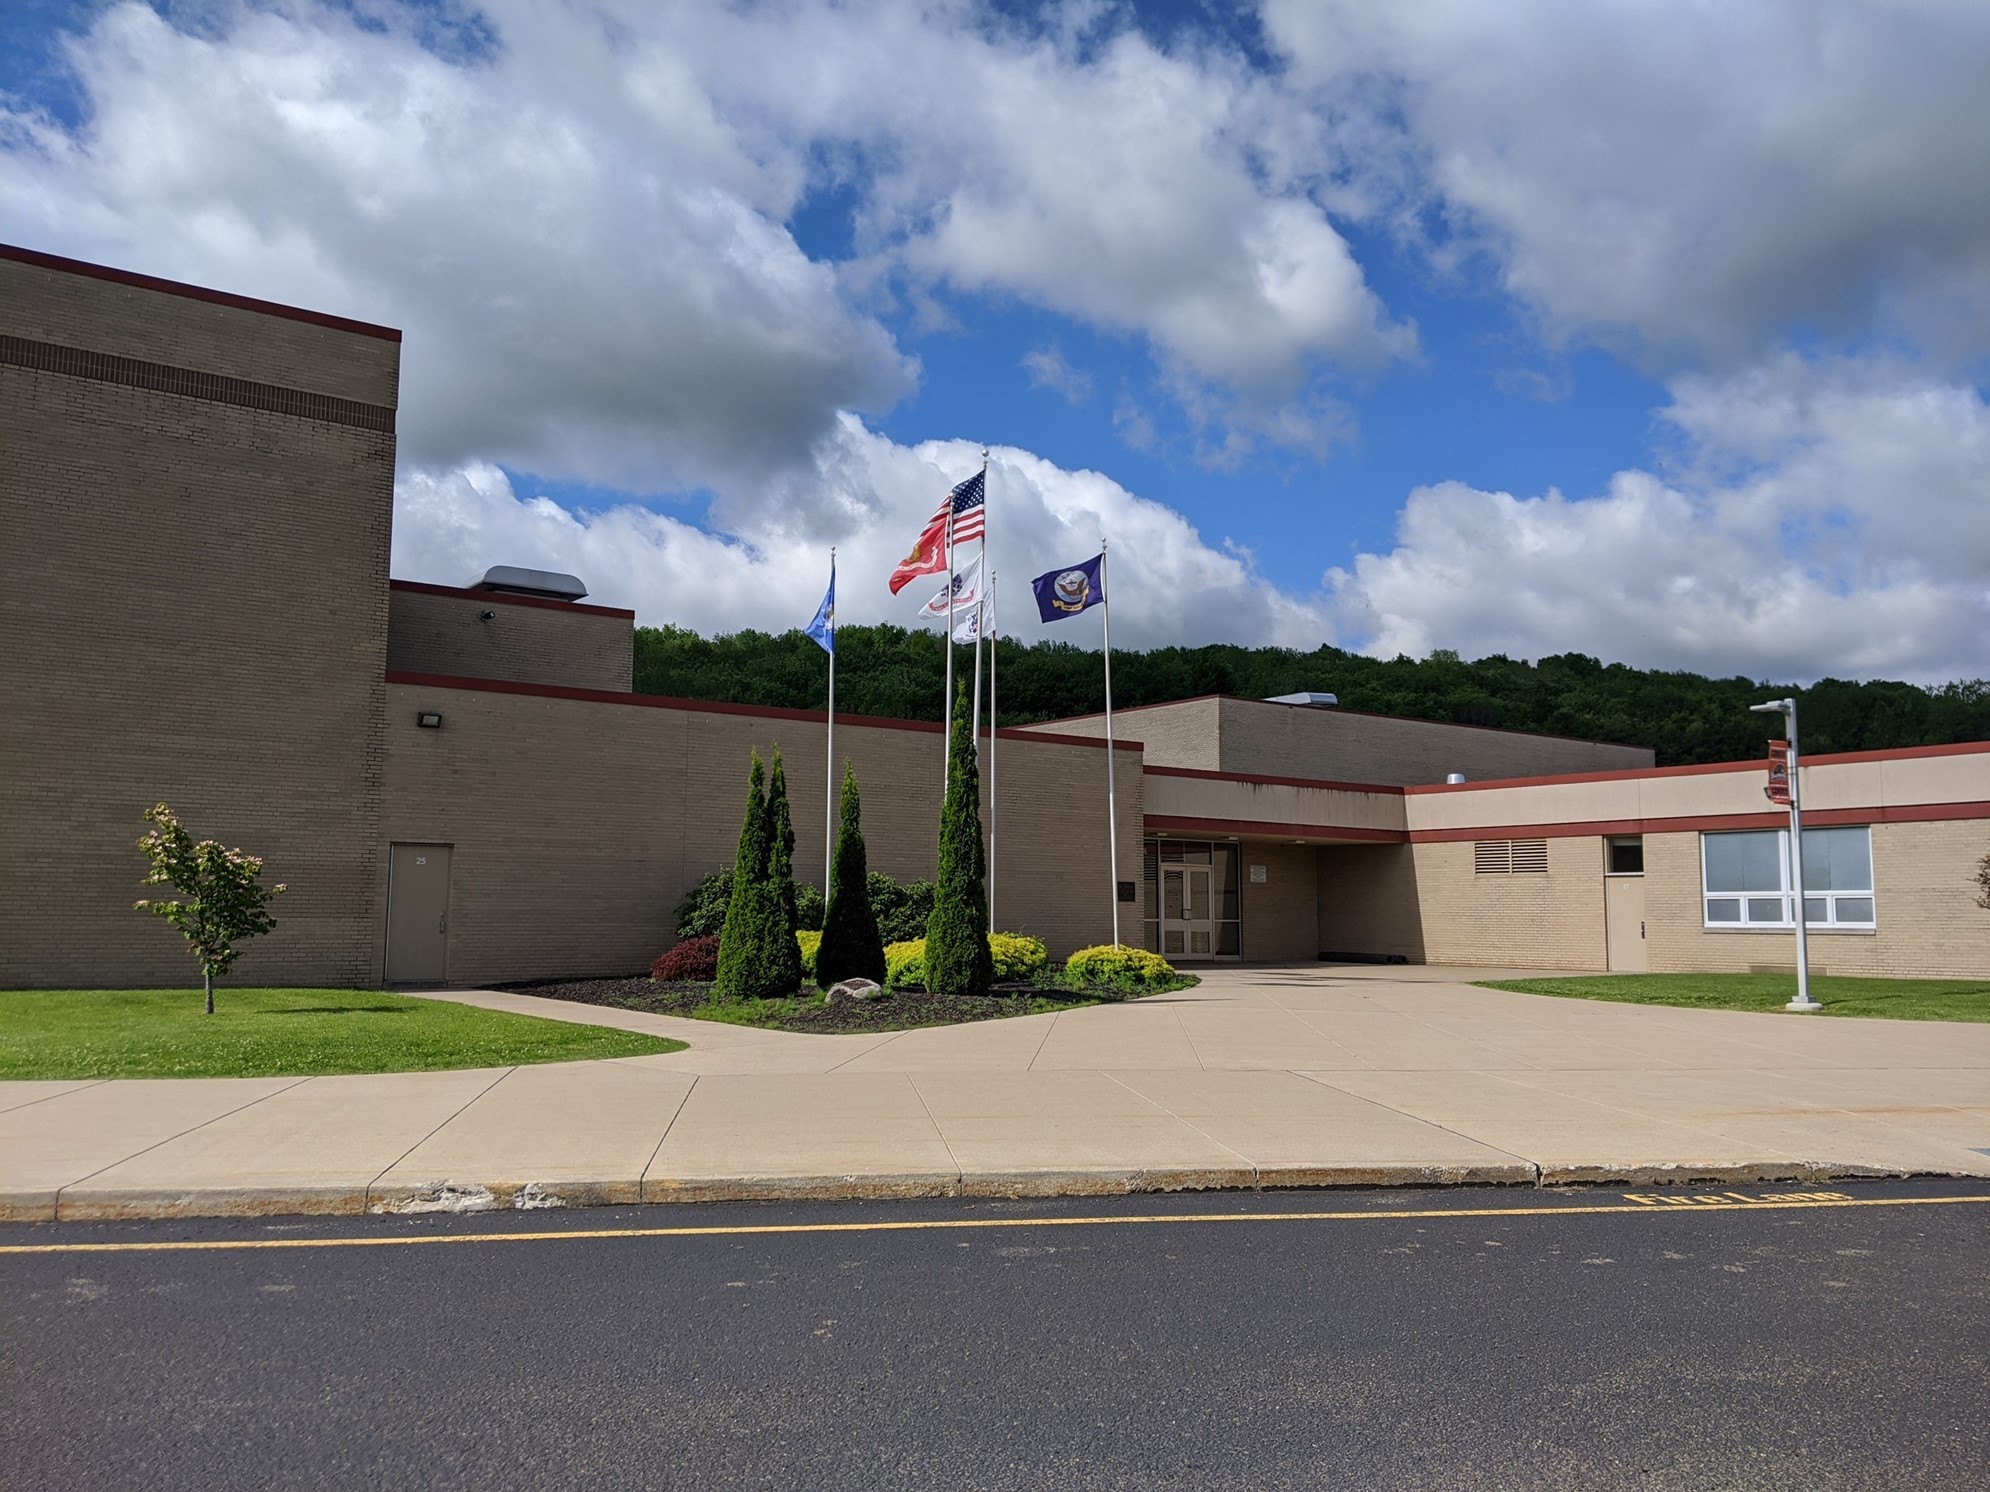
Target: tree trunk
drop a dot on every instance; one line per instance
(207, 982)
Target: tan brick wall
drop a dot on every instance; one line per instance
(1297, 741)
(1174, 735)
(194, 602)
(1552, 921)
(1255, 737)
(50, 305)
(1926, 925)
(446, 634)
(578, 825)
(1368, 901)
(1281, 917)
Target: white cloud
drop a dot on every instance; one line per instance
(1703, 176)
(1048, 369)
(582, 227)
(1824, 520)
(765, 565)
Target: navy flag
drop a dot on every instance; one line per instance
(1063, 593)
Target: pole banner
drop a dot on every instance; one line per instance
(1778, 790)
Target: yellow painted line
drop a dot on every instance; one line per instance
(1729, 1202)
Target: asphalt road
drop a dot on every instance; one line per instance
(1670, 1344)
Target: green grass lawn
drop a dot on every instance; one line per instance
(161, 1033)
(1889, 999)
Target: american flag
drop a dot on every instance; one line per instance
(970, 510)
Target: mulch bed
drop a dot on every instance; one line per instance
(899, 1011)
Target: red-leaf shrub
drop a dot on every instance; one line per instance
(694, 958)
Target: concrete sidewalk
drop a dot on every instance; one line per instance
(1259, 1077)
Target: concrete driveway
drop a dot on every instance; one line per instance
(1302, 1076)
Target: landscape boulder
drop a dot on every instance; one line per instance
(853, 989)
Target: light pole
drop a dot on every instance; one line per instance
(1787, 708)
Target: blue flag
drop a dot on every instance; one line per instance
(1063, 593)
(823, 628)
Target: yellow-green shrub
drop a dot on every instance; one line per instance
(905, 963)
(1017, 955)
(810, 942)
(1128, 968)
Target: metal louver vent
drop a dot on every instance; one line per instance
(1530, 857)
(1492, 857)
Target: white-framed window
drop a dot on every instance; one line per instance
(1745, 878)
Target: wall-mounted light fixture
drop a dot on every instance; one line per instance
(429, 719)
(487, 616)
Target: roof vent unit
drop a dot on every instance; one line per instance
(1317, 701)
(547, 585)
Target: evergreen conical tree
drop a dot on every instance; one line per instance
(957, 957)
(742, 939)
(852, 947)
(783, 953)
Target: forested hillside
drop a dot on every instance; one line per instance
(1684, 717)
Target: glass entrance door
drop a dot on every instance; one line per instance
(1188, 916)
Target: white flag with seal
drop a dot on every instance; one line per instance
(967, 593)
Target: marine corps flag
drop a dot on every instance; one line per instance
(928, 555)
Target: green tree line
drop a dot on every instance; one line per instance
(1684, 717)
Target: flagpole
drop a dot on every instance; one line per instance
(947, 642)
(1112, 800)
(829, 748)
(974, 728)
(988, 609)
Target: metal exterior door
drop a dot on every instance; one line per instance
(417, 913)
(1624, 924)
(1188, 915)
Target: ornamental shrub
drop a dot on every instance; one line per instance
(1122, 968)
(810, 943)
(752, 961)
(849, 925)
(1017, 956)
(702, 913)
(905, 963)
(902, 910)
(692, 959)
(783, 952)
(957, 961)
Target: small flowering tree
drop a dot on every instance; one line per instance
(1983, 883)
(226, 900)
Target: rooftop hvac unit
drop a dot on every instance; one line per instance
(512, 580)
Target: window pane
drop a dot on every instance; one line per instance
(1723, 909)
(1627, 857)
(1816, 910)
(1837, 860)
(1766, 909)
(1744, 862)
(1855, 909)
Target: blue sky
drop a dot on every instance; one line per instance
(1648, 331)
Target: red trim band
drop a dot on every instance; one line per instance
(422, 587)
(718, 707)
(1172, 824)
(1713, 823)
(1325, 784)
(194, 292)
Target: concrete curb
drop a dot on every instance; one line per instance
(453, 1195)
